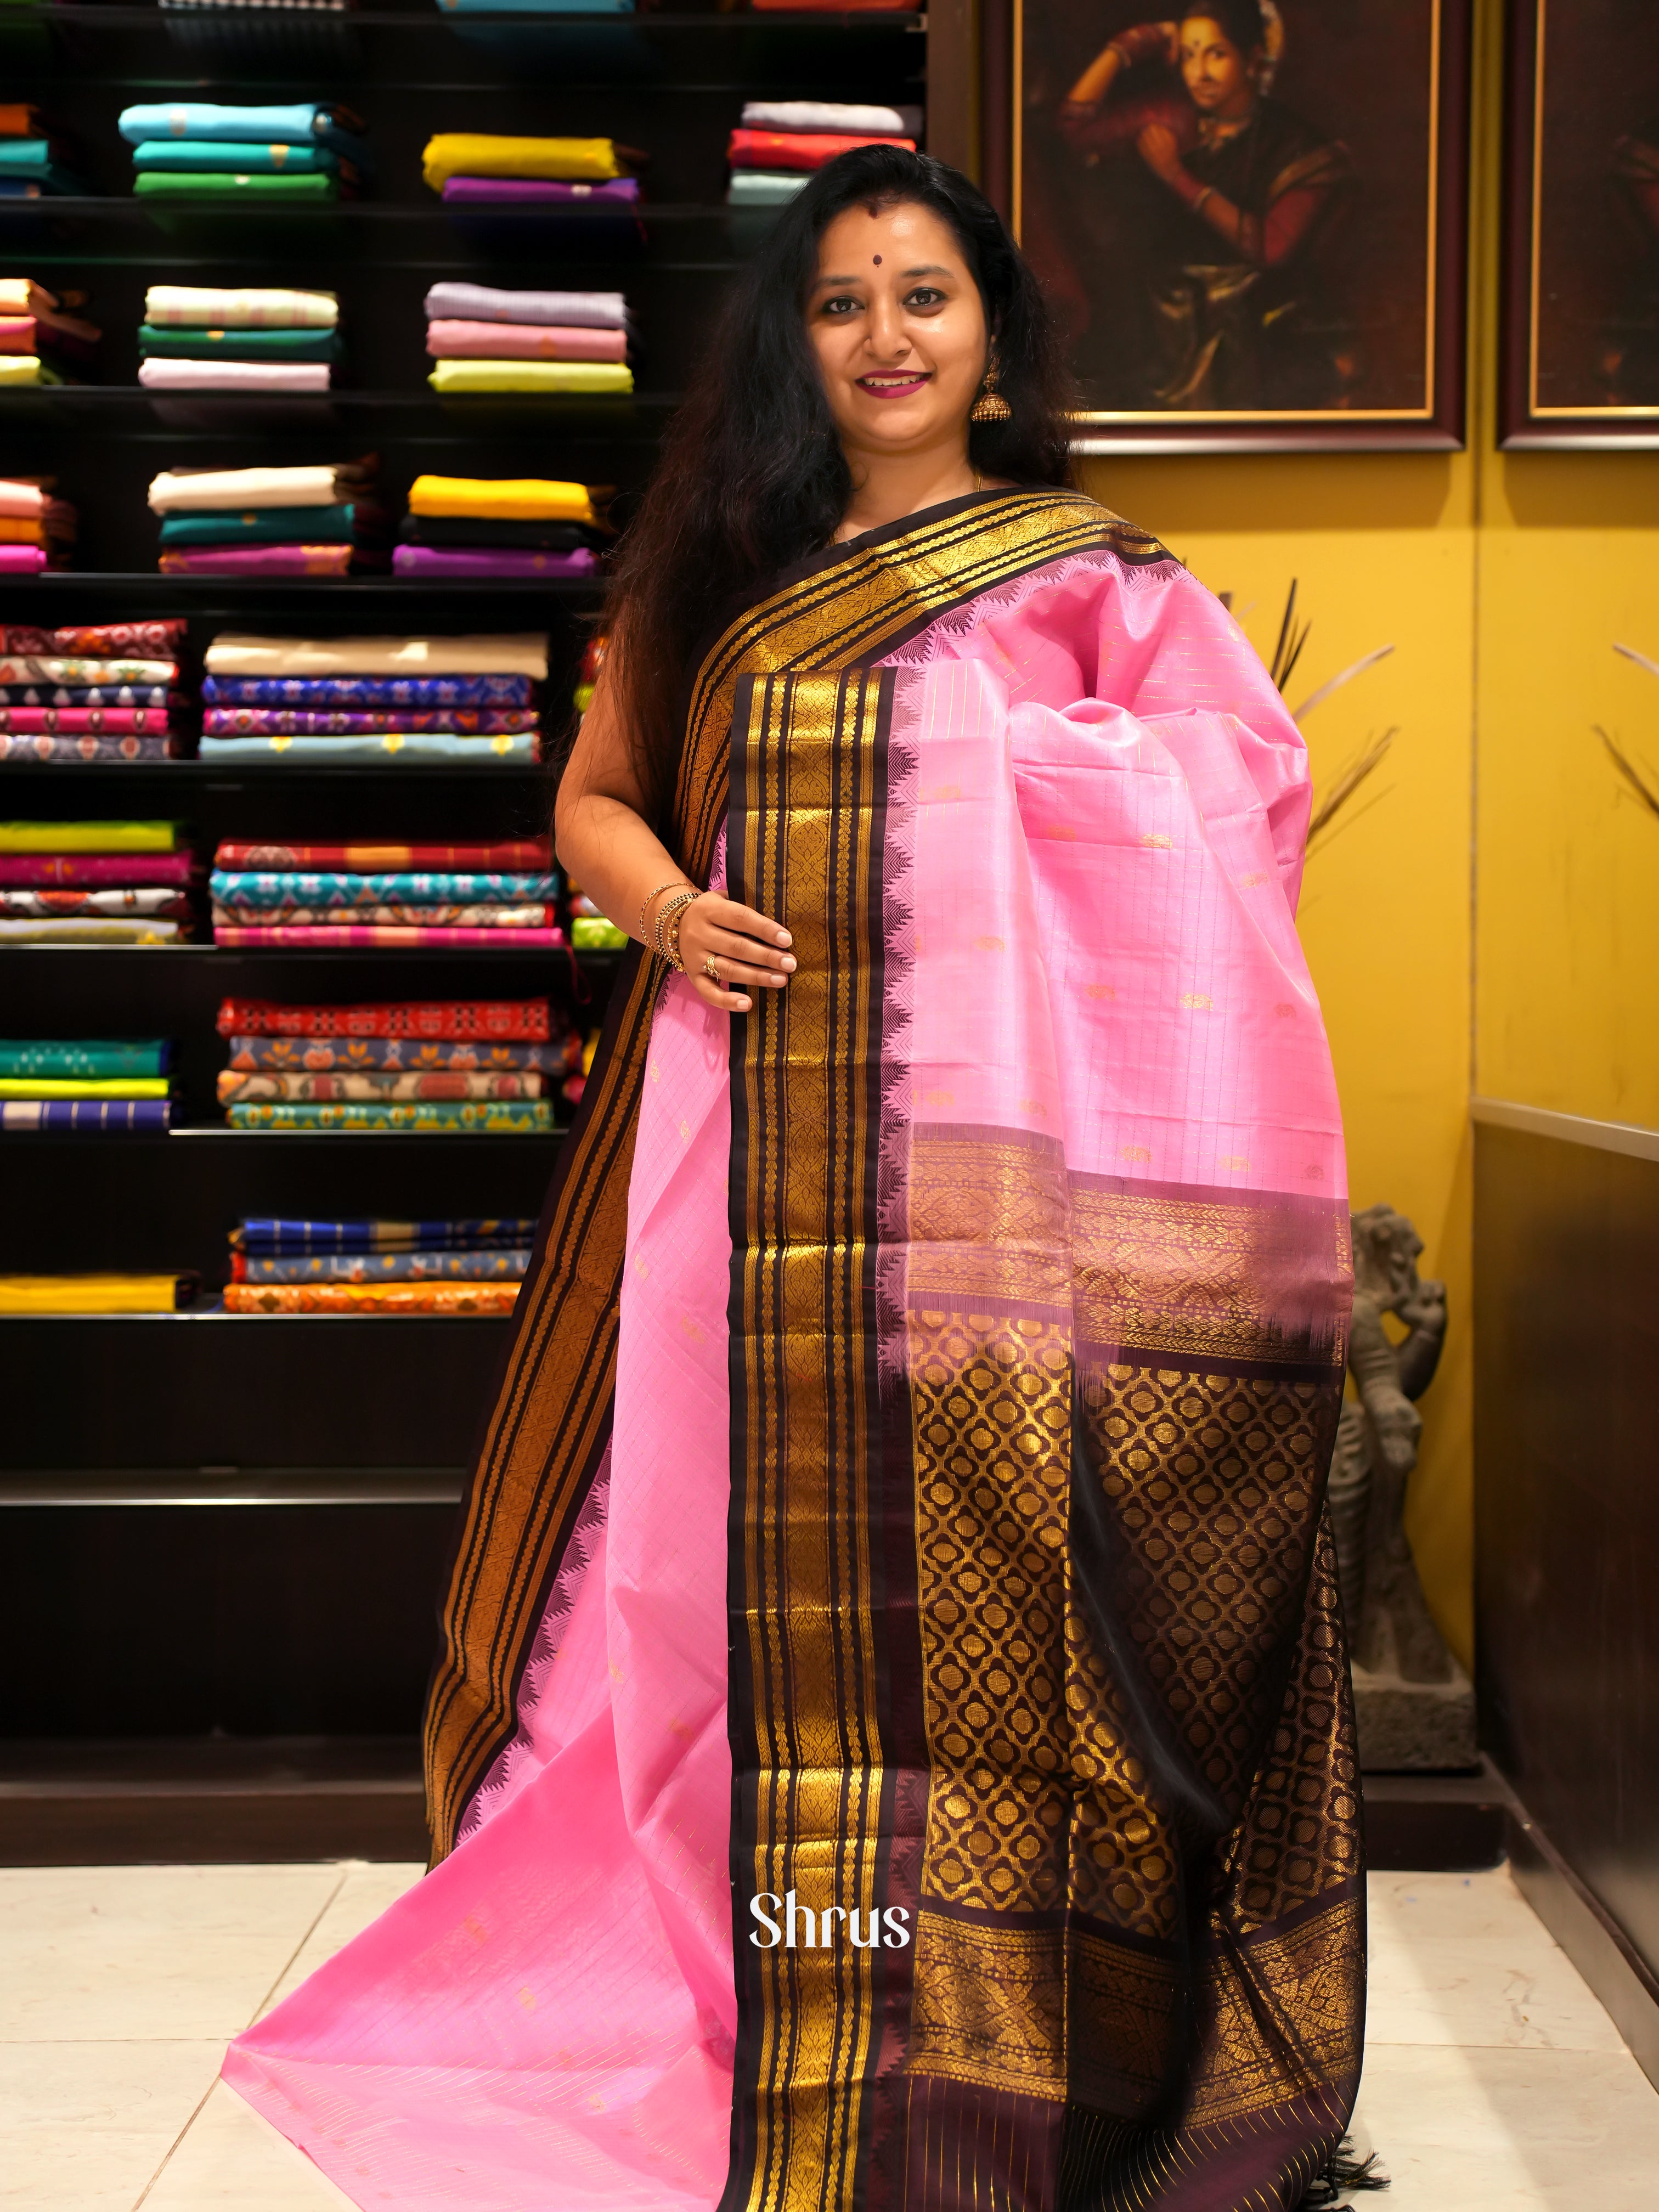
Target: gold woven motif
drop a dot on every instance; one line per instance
(1201, 1278)
(988, 1219)
(1283, 2015)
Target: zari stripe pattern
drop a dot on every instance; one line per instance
(804, 845)
(547, 1434)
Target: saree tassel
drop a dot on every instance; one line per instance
(1344, 2172)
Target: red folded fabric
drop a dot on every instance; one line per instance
(797, 150)
(141, 641)
(509, 1021)
(517, 855)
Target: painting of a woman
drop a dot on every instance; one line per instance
(1190, 263)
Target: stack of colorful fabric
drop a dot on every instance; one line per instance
(377, 1266)
(425, 1068)
(589, 930)
(587, 178)
(83, 1086)
(312, 521)
(419, 905)
(383, 699)
(200, 339)
(494, 527)
(32, 158)
(36, 531)
(93, 883)
(781, 141)
(39, 340)
(484, 340)
(106, 691)
(192, 148)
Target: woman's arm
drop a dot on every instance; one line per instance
(1267, 240)
(1145, 42)
(606, 844)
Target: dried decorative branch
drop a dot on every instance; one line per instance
(1640, 659)
(1627, 767)
(1359, 667)
(1347, 782)
(1288, 651)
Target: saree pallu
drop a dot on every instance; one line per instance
(892, 1745)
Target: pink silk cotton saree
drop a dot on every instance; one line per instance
(891, 1747)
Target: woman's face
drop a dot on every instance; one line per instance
(898, 325)
(1217, 74)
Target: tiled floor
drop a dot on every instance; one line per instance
(1494, 2082)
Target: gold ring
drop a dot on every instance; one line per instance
(710, 970)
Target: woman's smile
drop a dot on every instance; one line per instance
(893, 383)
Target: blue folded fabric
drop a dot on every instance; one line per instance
(282, 158)
(417, 745)
(41, 181)
(306, 122)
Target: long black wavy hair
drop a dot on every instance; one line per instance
(752, 476)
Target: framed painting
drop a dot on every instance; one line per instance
(1581, 306)
(1250, 218)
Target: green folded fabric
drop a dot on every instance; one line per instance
(239, 345)
(160, 183)
(274, 525)
(196, 154)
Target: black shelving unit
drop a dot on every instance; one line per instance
(227, 1531)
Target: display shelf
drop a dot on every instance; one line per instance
(161, 1594)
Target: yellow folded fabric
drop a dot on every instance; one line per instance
(88, 1294)
(81, 1087)
(25, 368)
(87, 836)
(502, 499)
(477, 154)
(531, 376)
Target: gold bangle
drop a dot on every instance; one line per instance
(651, 897)
(665, 913)
(678, 916)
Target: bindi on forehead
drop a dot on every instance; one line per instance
(878, 261)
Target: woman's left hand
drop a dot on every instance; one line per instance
(1160, 149)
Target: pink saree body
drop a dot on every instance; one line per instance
(955, 1568)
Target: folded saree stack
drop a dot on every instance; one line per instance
(589, 930)
(377, 1266)
(41, 341)
(37, 531)
(34, 158)
(455, 1067)
(589, 178)
(484, 340)
(106, 691)
(253, 338)
(100, 1086)
(308, 150)
(93, 883)
(381, 699)
(513, 527)
(311, 521)
(780, 142)
(416, 903)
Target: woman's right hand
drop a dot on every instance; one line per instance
(749, 951)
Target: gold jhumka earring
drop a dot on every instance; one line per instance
(990, 406)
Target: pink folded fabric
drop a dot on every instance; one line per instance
(20, 500)
(72, 721)
(258, 561)
(93, 871)
(166, 375)
(23, 560)
(328, 935)
(523, 342)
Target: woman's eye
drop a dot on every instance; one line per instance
(925, 295)
(844, 304)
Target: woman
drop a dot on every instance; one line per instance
(1244, 196)
(891, 1742)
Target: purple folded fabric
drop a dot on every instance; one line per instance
(256, 561)
(618, 196)
(490, 561)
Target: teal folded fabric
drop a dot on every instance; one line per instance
(305, 122)
(95, 1059)
(276, 526)
(211, 154)
(201, 344)
(25, 157)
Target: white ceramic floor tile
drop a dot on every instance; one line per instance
(231, 2157)
(1424, 1907)
(84, 2126)
(1485, 1993)
(362, 1898)
(107, 1953)
(1489, 2130)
